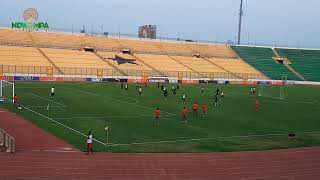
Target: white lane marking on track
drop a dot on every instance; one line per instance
(211, 138)
(102, 117)
(94, 94)
(48, 100)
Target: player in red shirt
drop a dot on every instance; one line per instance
(195, 108)
(15, 101)
(257, 104)
(204, 109)
(157, 117)
(184, 113)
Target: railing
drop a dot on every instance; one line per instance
(7, 141)
(100, 72)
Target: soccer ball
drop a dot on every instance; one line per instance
(19, 107)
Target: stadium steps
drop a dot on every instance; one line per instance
(200, 75)
(31, 37)
(243, 61)
(304, 61)
(295, 72)
(288, 64)
(120, 46)
(50, 61)
(110, 64)
(262, 59)
(161, 50)
(235, 75)
(148, 65)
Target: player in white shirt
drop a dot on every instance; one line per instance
(52, 92)
(140, 90)
(184, 98)
(89, 143)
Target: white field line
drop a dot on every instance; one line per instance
(94, 94)
(211, 138)
(111, 116)
(63, 125)
(48, 100)
(45, 106)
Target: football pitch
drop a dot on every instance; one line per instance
(235, 125)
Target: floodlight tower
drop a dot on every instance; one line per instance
(240, 21)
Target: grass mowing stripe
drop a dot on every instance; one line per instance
(48, 100)
(211, 138)
(94, 94)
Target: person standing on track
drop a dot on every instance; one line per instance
(52, 92)
(89, 143)
(157, 117)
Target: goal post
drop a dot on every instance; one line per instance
(272, 91)
(7, 90)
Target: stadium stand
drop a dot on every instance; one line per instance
(77, 41)
(23, 60)
(64, 55)
(306, 62)
(262, 60)
(238, 67)
(14, 36)
(126, 63)
(73, 62)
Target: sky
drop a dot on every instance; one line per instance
(273, 22)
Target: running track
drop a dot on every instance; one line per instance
(293, 164)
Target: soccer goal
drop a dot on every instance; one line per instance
(272, 91)
(6, 90)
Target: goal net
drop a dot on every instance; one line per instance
(6, 90)
(272, 91)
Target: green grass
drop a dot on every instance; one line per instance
(232, 126)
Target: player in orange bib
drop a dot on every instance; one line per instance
(195, 108)
(184, 114)
(157, 117)
(204, 109)
(257, 105)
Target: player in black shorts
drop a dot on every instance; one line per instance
(165, 92)
(216, 100)
(140, 90)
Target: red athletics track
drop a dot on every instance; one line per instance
(292, 164)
